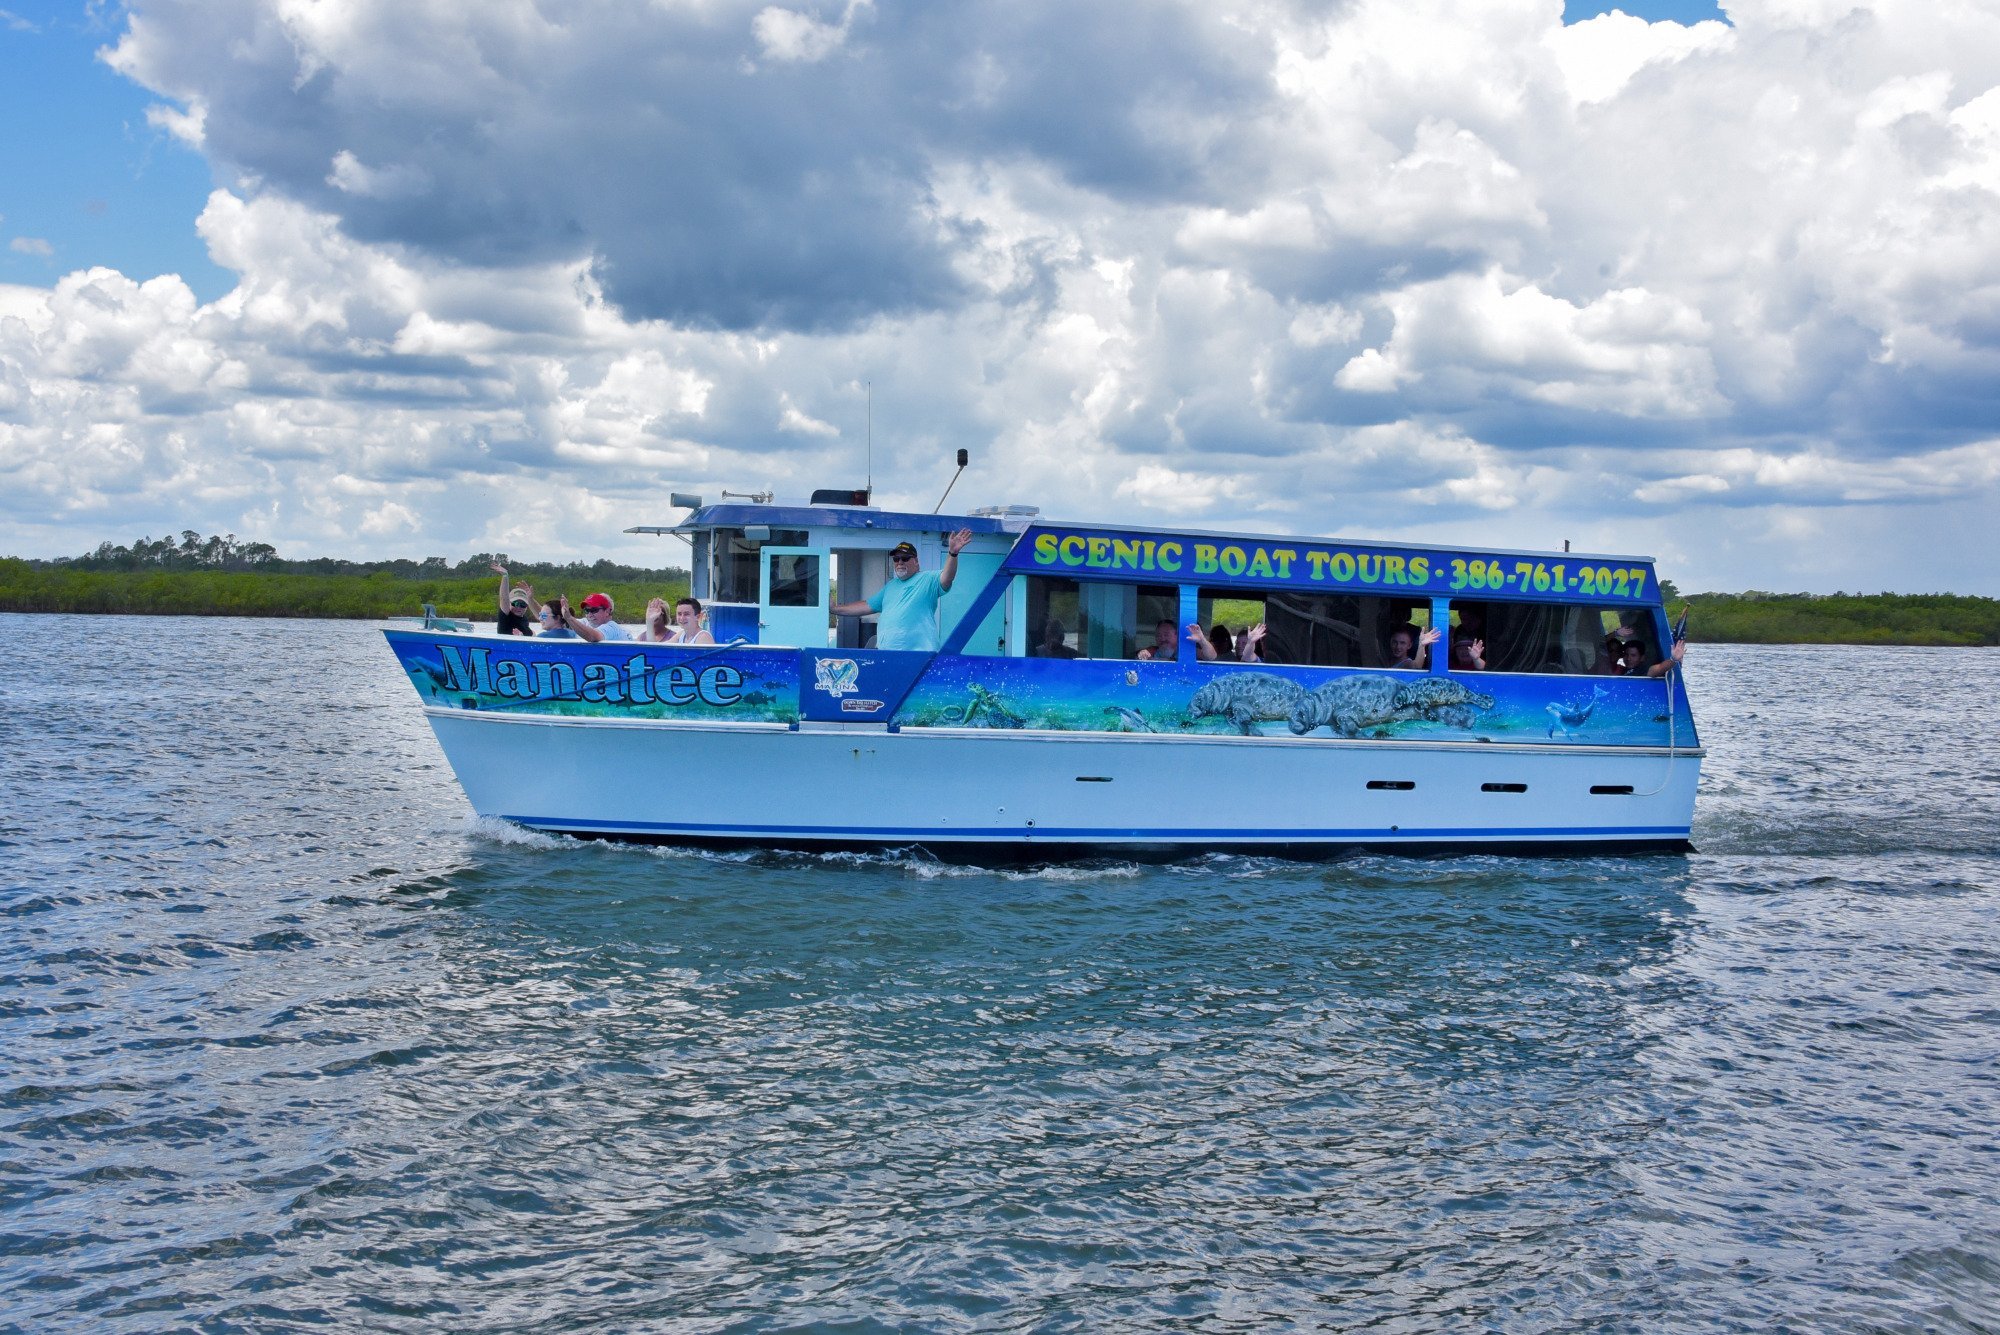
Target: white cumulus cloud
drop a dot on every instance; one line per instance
(1439, 267)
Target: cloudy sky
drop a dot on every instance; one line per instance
(407, 277)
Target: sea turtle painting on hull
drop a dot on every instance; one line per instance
(1355, 703)
(1246, 697)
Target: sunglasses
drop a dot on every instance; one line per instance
(903, 556)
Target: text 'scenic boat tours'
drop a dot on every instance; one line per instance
(1036, 727)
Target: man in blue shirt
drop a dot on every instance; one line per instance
(908, 603)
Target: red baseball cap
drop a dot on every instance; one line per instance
(595, 601)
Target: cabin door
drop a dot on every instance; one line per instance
(792, 602)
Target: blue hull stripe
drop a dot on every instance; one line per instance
(1103, 834)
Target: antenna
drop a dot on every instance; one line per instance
(869, 385)
(963, 460)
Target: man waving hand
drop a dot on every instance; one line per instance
(908, 603)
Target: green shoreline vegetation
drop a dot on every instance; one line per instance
(220, 576)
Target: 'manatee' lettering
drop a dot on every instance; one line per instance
(720, 685)
(512, 678)
(554, 679)
(475, 673)
(475, 677)
(598, 679)
(635, 677)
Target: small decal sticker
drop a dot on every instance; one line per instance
(837, 676)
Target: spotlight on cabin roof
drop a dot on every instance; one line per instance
(682, 500)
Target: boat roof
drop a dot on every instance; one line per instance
(1023, 520)
(776, 515)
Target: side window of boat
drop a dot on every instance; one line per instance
(1227, 614)
(1067, 618)
(1338, 629)
(1566, 638)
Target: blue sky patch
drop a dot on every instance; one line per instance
(84, 179)
(1653, 11)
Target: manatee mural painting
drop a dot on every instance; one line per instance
(1281, 701)
(1352, 704)
(1245, 698)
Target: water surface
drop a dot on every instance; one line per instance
(288, 1041)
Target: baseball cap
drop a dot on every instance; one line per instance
(902, 549)
(519, 600)
(595, 601)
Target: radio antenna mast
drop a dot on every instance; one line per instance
(869, 385)
(963, 460)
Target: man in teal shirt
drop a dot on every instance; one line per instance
(908, 603)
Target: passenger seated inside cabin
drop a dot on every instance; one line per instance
(1610, 658)
(1468, 654)
(1166, 646)
(1632, 659)
(1610, 661)
(1219, 640)
(1250, 645)
(1340, 629)
(1053, 636)
(1410, 647)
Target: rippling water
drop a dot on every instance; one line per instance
(288, 1040)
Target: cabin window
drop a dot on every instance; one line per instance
(1334, 630)
(1226, 614)
(1564, 638)
(737, 562)
(1069, 618)
(796, 579)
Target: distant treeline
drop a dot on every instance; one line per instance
(1842, 618)
(191, 551)
(194, 575)
(219, 576)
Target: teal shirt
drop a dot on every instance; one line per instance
(909, 612)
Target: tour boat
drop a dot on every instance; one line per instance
(1037, 729)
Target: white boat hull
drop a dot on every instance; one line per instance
(1043, 792)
